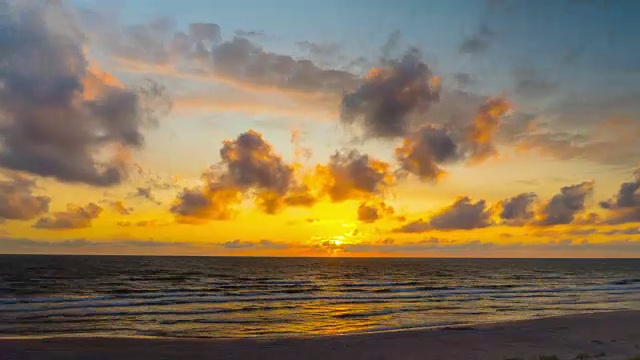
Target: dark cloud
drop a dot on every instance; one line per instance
(628, 231)
(76, 217)
(372, 211)
(245, 61)
(475, 44)
(424, 151)
(205, 32)
(624, 207)
(564, 206)
(239, 59)
(628, 195)
(387, 241)
(272, 245)
(479, 42)
(462, 214)
(212, 200)
(251, 162)
(17, 200)
(529, 82)
(152, 223)
(518, 209)
(352, 175)
(464, 79)
(260, 245)
(119, 207)
(249, 166)
(300, 196)
(57, 112)
(238, 244)
(383, 105)
(582, 232)
(146, 193)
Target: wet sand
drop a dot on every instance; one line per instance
(613, 335)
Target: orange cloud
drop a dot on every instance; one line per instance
(97, 82)
(483, 129)
(351, 175)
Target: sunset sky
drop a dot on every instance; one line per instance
(320, 128)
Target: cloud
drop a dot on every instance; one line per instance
(530, 83)
(272, 245)
(24, 245)
(318, 50)
(477, 43)
(149, 246)
(391, 45)
(76, 217)
(383, 105)
(474, 44)
(237, 60)
(627, 231)
(564, 206)
(628, 195)
(249, 33)
(423, 152)
(243, 60)
(519, 209)
(251, 162)
(238, 244)
(264, 244)
(463, 80)
(49, 126)
(17, 200)
(249, 166)
(463, 214)
(624, 207)
(372, 211)
(153, 223)
(607, 132)
(352, 175)
(146, 193)
(481, 132)
(212, 200)
(119, 207)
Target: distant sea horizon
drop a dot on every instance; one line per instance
(239, 297)
(320, 257)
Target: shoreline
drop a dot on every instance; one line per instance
(471, 326)
(606, 335)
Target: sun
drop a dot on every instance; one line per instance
(337, 242)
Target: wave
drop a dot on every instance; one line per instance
(301, 294)
(625, 282)
(363, 314)
(379, 284)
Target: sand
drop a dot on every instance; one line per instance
(613, 335)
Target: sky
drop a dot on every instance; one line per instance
(497, 128)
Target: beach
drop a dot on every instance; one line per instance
(607, 335)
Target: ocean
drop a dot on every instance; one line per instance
(234, 297)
